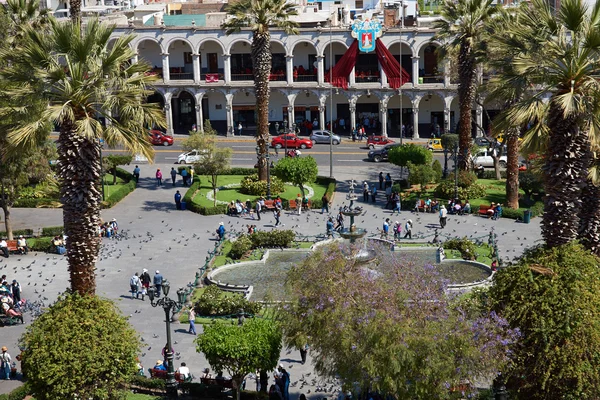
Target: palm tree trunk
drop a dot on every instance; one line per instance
(466, 97)
(261, 62)
(80, 177)
(8, 222)
(512, 169)
(564, 175)
(75, 6)
(589, 222)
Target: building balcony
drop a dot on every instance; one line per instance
(305, 78)
(242, 77)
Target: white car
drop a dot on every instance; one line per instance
(484, 158)
(190, 157)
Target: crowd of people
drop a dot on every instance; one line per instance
(10, 299)
(108, 229)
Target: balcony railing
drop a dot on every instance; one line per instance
(432, 79)
(277, 77)
(305, 78)
(367, 78)
(242, 77)
(180, 76)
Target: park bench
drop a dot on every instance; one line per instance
(269, 205)
(294, 205)
(224, 383)
(421, 205)
(12, 246)
(160, 374)
(483, 210)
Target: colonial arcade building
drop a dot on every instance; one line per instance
(207, 75)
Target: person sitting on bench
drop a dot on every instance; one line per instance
(4, 247)
(22, 247)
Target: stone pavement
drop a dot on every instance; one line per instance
(176, 243)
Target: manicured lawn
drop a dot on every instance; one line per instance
(232, 194)
(108, 184)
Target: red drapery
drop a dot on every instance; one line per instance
(396, 75)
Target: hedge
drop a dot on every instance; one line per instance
(148, 383)
(18, 394)
(121, 192)
(34, 203)
(18, 232)
(52, 231)
(39, 244)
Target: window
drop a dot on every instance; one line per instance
(358, 4)
(187, 57)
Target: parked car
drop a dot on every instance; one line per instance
(323, 136)
(159, 138)
(381, 154)
(435, 145)
(483, 141)
(291, 141)
(373, 141)
(190, 157)
(484, 158)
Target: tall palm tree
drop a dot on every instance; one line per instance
(461, 30)
(81, 79)
(23, 13)
(561, 66)
(259, 16)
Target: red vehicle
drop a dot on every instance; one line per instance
(159, 138)
(373, 141)
(291, 141)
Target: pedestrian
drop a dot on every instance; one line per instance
(158, 177)
(299, 203)
(145, 279)
(134, 284)
(397, 230)
(173, 175)
(192, 319)
(340, 221)
(325, 204)
(221, 230)
(443, 216)
(381, 179)
(257, 208)
(136, 174)
(330, 226)
(365, 191)
(16, 291)
(277, 214)
(191, 177)
(158, 280)
(114, 226)
(388, 180)
(285, 376)
(408, 229)
(374, 193)
(303, 352)
(5, 364)
(240, 128)
(178, 200)
(398, 203)
(184, 176)
(386, 228)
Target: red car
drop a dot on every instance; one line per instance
(373, 141)
(293, 142)
(159, 138)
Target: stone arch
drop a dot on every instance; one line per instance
(136, 45)
(183, 105)
(179, 38)
(427, 43)
(405, 43)
(234, 42)
(293, 45)
(204, 41)
(326, 43)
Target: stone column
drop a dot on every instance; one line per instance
(196, 61)
(384, 116)
(384, 81)
(134, 59)
(446, 73)
(352, 117)
(446, 120)
(165, 67)
(168, 113)
(199, 114)
(291, 115)
(322, 117)
(289, 69)
(320, 70)
(415, 123)
(227, 68)
(229, 109)
(479, 116)
(352, 79)
(415, 70)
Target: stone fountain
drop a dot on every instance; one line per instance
(353, 233)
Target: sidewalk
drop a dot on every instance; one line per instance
(176, 243)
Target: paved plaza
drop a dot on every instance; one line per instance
(176, 243)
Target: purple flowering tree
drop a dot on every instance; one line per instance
(392, 327)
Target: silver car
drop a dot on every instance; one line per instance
(323, 136)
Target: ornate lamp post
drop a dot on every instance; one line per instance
(168, 305)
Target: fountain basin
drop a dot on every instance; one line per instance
(351, 213)
(358, 233)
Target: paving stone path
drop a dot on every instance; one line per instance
(176, 243)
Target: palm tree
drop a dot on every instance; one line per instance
(461, 30)
(81, 79)
(561, 67)
(259, 16)
(21, 14)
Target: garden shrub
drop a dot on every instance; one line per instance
(40, 244)
(239, 171)
(120, 193)
(52, 230)
(240, 246)
(445, 190)
(253, 186)
(214, 302)
(437, 170)
(247, 395)
(272, 239)
(148, 383)
(17, 232)
(512, 213)
(194, 389)
(466, 248)
(537, 208)
(17, 394)
(487, 174)
(35, 203)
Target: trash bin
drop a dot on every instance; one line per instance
(183, 204)
(526, 216)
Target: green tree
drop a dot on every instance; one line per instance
(240, 350)
(530, 182)
(420, 175)
(113, 161)
(73, 71)
(410, 153)
(557, 53)
(259, 16)
(80, 347)
(296, 170)
(461, 29)
(437, 169)
(551, 296)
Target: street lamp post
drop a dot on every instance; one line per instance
(445, 163)
(266, 157)
(455, 151)
(101, 144)
(168, 305)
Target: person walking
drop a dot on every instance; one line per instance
(257, 208)
(134, 284)
(340, 221)
(145, 279)
(158, 280)
(303, 352)
(184, 176)
(15, 288)
(221, 231)
(365, 191)
(5, 363)
(299, 203)
(330, 226)
(386, 229)
(240, 129)
(397, 203)
(178, 200)
(192, 319)
(381, 180)
(173, 175)
(443, 216)
(388, 180)
(397, 230)
(158, 177)
(408, 229)
(325, 204)
(136, 174)
(277, 215)
(374, 193)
